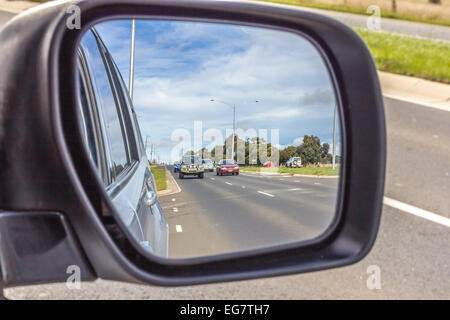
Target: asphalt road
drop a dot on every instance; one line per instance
(412, 253)
(410, 28)
(246, 211)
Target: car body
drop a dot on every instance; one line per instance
(227, 166)
(208, 165)
(294, 162)
(268, 164)
(191, 166)
(114, 143)
(176, 167)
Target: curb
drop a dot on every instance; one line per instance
(290, 175)
(17, 6)
(415, 90)
(172, 186)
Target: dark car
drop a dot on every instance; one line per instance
(227, 166)
(112, 137)
(176, 167)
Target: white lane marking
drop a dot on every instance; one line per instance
(229, 183)
(295, 189)
(175, 209)
(179, 228)
(316, 183)
(416, 211)
(297, 181)
(266, 194)
(417, 102)
(173, 199)
(213, 178)
(243, 187)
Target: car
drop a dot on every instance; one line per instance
(268, 164)
(294, 162)
(113, 140)
(176, 167)
(227, 166)
(191, 166)
(208, 165)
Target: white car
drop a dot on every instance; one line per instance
(208, 165)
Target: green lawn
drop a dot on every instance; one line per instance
(409, 56)
(358, 10)
(160, 177)
(315, 171)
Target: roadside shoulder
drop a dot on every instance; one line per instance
(415, 90)
(172, 185)
(16, 6)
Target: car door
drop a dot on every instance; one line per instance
(127, 177)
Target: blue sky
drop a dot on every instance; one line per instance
(181, 66)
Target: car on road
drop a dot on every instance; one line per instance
(176, 167)
(208, 165)
(294, 162)
(191, 166)
(227, 166)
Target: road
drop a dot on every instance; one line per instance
(416, 29)
(237, 212)
(412, 253)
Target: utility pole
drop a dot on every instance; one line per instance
(234, 122)
(334, 137)
(131, 80)
(234, 130)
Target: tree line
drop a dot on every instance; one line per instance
(311, 151)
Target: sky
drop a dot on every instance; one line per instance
(181, 66)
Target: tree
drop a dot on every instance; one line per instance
(310, 150)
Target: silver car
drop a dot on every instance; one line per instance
(208, 165)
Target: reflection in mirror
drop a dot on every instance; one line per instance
(228, 141)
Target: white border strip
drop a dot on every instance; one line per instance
(417, 102)
(417, 211)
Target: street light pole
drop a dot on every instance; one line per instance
(334, 137)
(131, 79)
(234, 130)
(234, 122)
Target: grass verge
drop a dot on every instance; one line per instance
(314, 171)
(409, 56)
(349, 9)
(160, 177)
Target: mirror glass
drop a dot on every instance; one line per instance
(210, 138)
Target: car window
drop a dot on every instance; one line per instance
(106, 102)
(134, 129)
(87, 130)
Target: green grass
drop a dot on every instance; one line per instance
(160, 177)
(348, 9)
(252, 169)
(409, 56)
(314, 171)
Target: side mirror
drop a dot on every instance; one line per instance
(69, 183)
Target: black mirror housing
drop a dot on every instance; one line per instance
(45, 172)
